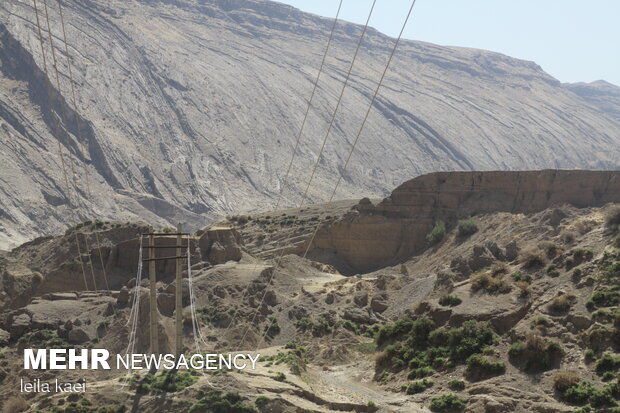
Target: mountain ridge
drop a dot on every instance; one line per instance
(194, 108)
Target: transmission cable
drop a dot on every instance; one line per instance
(303, 124)
(355, 141)
(331, 124)
(55, 124)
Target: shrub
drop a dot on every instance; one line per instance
(280, 377)
(486, 282)
(535, 354)
(567, 237)
(552, 270)
(456, 385)
(524, 289)
(561, 303)
(467, 227)
(608, 362)
(450, 300)
(272, 329)
(173, 381)
(550, 248)
(612, 218)
(479, 367)
(532, 257)
(418, 386)
(518, 276)
(437, 233)
(420, 372)
(564, 380)
(216, 402)
(261, 401)
(447, 403)
(604, 299)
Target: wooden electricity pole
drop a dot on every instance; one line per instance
(179, 293)
(153, 300)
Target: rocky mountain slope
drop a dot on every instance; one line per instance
(506, 310)
(188, 109)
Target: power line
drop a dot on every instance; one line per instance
(374, 97)
(303, 124)
(55, 124)
(331, 124)
(359, 133)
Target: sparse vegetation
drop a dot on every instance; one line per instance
(448, 403)
(437, 233)
(479, 367)
(532, 257)
(466, 227)
(450, 300)
(535, 354)
(612, 219)
(562, 303)
(215, 401)
(490, 284)
(423, 348)
(418, 386)
(456, 385)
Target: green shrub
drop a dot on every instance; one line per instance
(604, 299)
(467, 227)
(418, 386)
(608, 362)
(479, 367)
(261, 401)
(217, 402)
(173, 381)
(272, 329)
(420, 346)
(420, 372)
(535, 354)
(437, 233)
(518, 276)
(450, 300)
(447, 403)
(456, 385)
(552, 270)
(280, 377)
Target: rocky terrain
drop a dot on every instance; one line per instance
(509, 305)
(188, 110)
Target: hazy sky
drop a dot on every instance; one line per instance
(572, 40)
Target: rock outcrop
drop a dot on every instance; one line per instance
(373, 236)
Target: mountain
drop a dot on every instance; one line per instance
(187, 110)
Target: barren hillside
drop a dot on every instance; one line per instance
(189, 109)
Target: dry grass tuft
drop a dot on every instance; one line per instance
(532, 257)
(562, 303)
(487, 282)
(564, 380)
(15, 404)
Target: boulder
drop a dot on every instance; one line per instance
(378, 304)
(359, 315)
(166, 304)
(123, 297)
(19, 325)
(361, 299)
(78, 336)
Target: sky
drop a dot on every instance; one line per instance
(574, 41)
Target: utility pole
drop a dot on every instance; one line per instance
(153, 300)
(179, 293)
